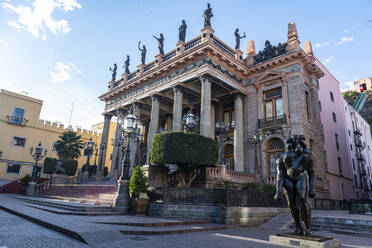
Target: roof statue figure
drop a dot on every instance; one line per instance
(207, 16)
(113, 72)
(143, 53)
(238, 38)
(126, 65)
(160, 43)
(182, 31)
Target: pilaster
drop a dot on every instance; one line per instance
(238, 133)
(154, 123)
(205, 107)
(103, 146)
(177, 109)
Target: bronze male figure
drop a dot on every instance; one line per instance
(160, 43)
(143, 52)
(113, 70)
(238, 38)
(296, 174)
(182, 31)
(207, 16)
(126, 65)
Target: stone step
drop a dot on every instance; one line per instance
(66, 206)
(343, 221)
(65, 212)
(90, 201)
(336, 225)
(160, 224)
(179, 229)
(343, 231)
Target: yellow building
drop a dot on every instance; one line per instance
(21, 129)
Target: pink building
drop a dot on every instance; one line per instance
(339, 171)
(358, 136)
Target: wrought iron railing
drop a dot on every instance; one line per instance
(216, 197)
(16, 120)
(223, 47)
(330, 204)
(192, 44)
(357, 132)
(360, 207)
(169, 56)
(271, 122)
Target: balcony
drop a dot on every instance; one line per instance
(358, 143)
(272, 122)
(361, 157)
(16, 120)
(357, 132)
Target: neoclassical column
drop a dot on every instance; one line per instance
(154, 123)
(177, 109)
(103, 146)
(115, 163)
(213, 121)
(134, 146)
(205, 107)
(238, 133)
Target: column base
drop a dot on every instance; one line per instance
(303, 241)
(122, 198)
(31, 189)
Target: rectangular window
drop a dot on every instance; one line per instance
(334, 117)
(18, 114)
(307, 98)
(339, 165)
(349, 133)
(273, 103)
(331, 96)
(353, 163)
(337, 145)
(351, 147)
(18, 141)
(312, 145)
(13, 168)
(355, 181)
(320, 106)
(325, 160)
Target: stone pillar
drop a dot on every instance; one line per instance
(115, 164)
(213, 121)
(205, 107)
(238, 133)
(134, 146)
(103, 146)
(168, 123)
(251, 153)
(154, 123)
(177, 109)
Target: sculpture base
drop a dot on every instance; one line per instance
(59, 179)
(122, 198)
(31, 189)
(318, 241)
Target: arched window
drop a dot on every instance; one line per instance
(275, 147)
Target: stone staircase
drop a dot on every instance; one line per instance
(360, 228)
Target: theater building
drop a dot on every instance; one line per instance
(268, 94)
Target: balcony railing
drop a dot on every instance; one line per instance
(271, 122)
(16, 120)
(357, 132)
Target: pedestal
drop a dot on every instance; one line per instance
(31, 188)
(122, 198)
(315, 241)
(59, 179)
(99, 175)
(85, 176)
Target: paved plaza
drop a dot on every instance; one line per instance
(20, 232)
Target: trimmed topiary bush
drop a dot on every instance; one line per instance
(49, 165)
(138, 182)
(188, 151)
(70, 166)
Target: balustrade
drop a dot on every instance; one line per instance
(230, 175)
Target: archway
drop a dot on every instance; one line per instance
(274, 148)
(228, 156)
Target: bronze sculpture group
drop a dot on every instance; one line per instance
(296, 174)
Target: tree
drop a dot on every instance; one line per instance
(189, 152)
(138, 182)
(68, 146)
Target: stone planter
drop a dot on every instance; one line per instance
(139, 205)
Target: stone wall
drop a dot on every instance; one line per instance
(251, 215)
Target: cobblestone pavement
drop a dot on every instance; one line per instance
(17, 232)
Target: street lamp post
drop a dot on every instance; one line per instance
(221, 129)
(37, 154)
(190, 121)
(130, 127)
(88, 151)
(95, 153)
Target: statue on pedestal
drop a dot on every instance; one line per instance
(182, 31)
(143, 53)
(296, 174)
(59, 168)
(114, 72)
(238, 38)
(207, 16)
(126, 65)
(160, 43)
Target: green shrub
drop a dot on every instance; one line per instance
(261, 187)
(225, 185)
(183, 149)
(70, 167)
(25, 180)
(189, 151)
(138, 182)
(49, 165)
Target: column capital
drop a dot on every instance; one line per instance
(178, 88)
(206, 77)
(121, 112)
(136, 105)
(107, 116)
(155, 97)
(238, 95)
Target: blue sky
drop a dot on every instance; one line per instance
(60, 50)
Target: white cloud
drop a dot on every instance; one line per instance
(39, 18)
(347, 85)
(328, 60)
(2, 42)
(322, 44)
(345, 39)
(63, 72)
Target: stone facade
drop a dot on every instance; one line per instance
(267, 99)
